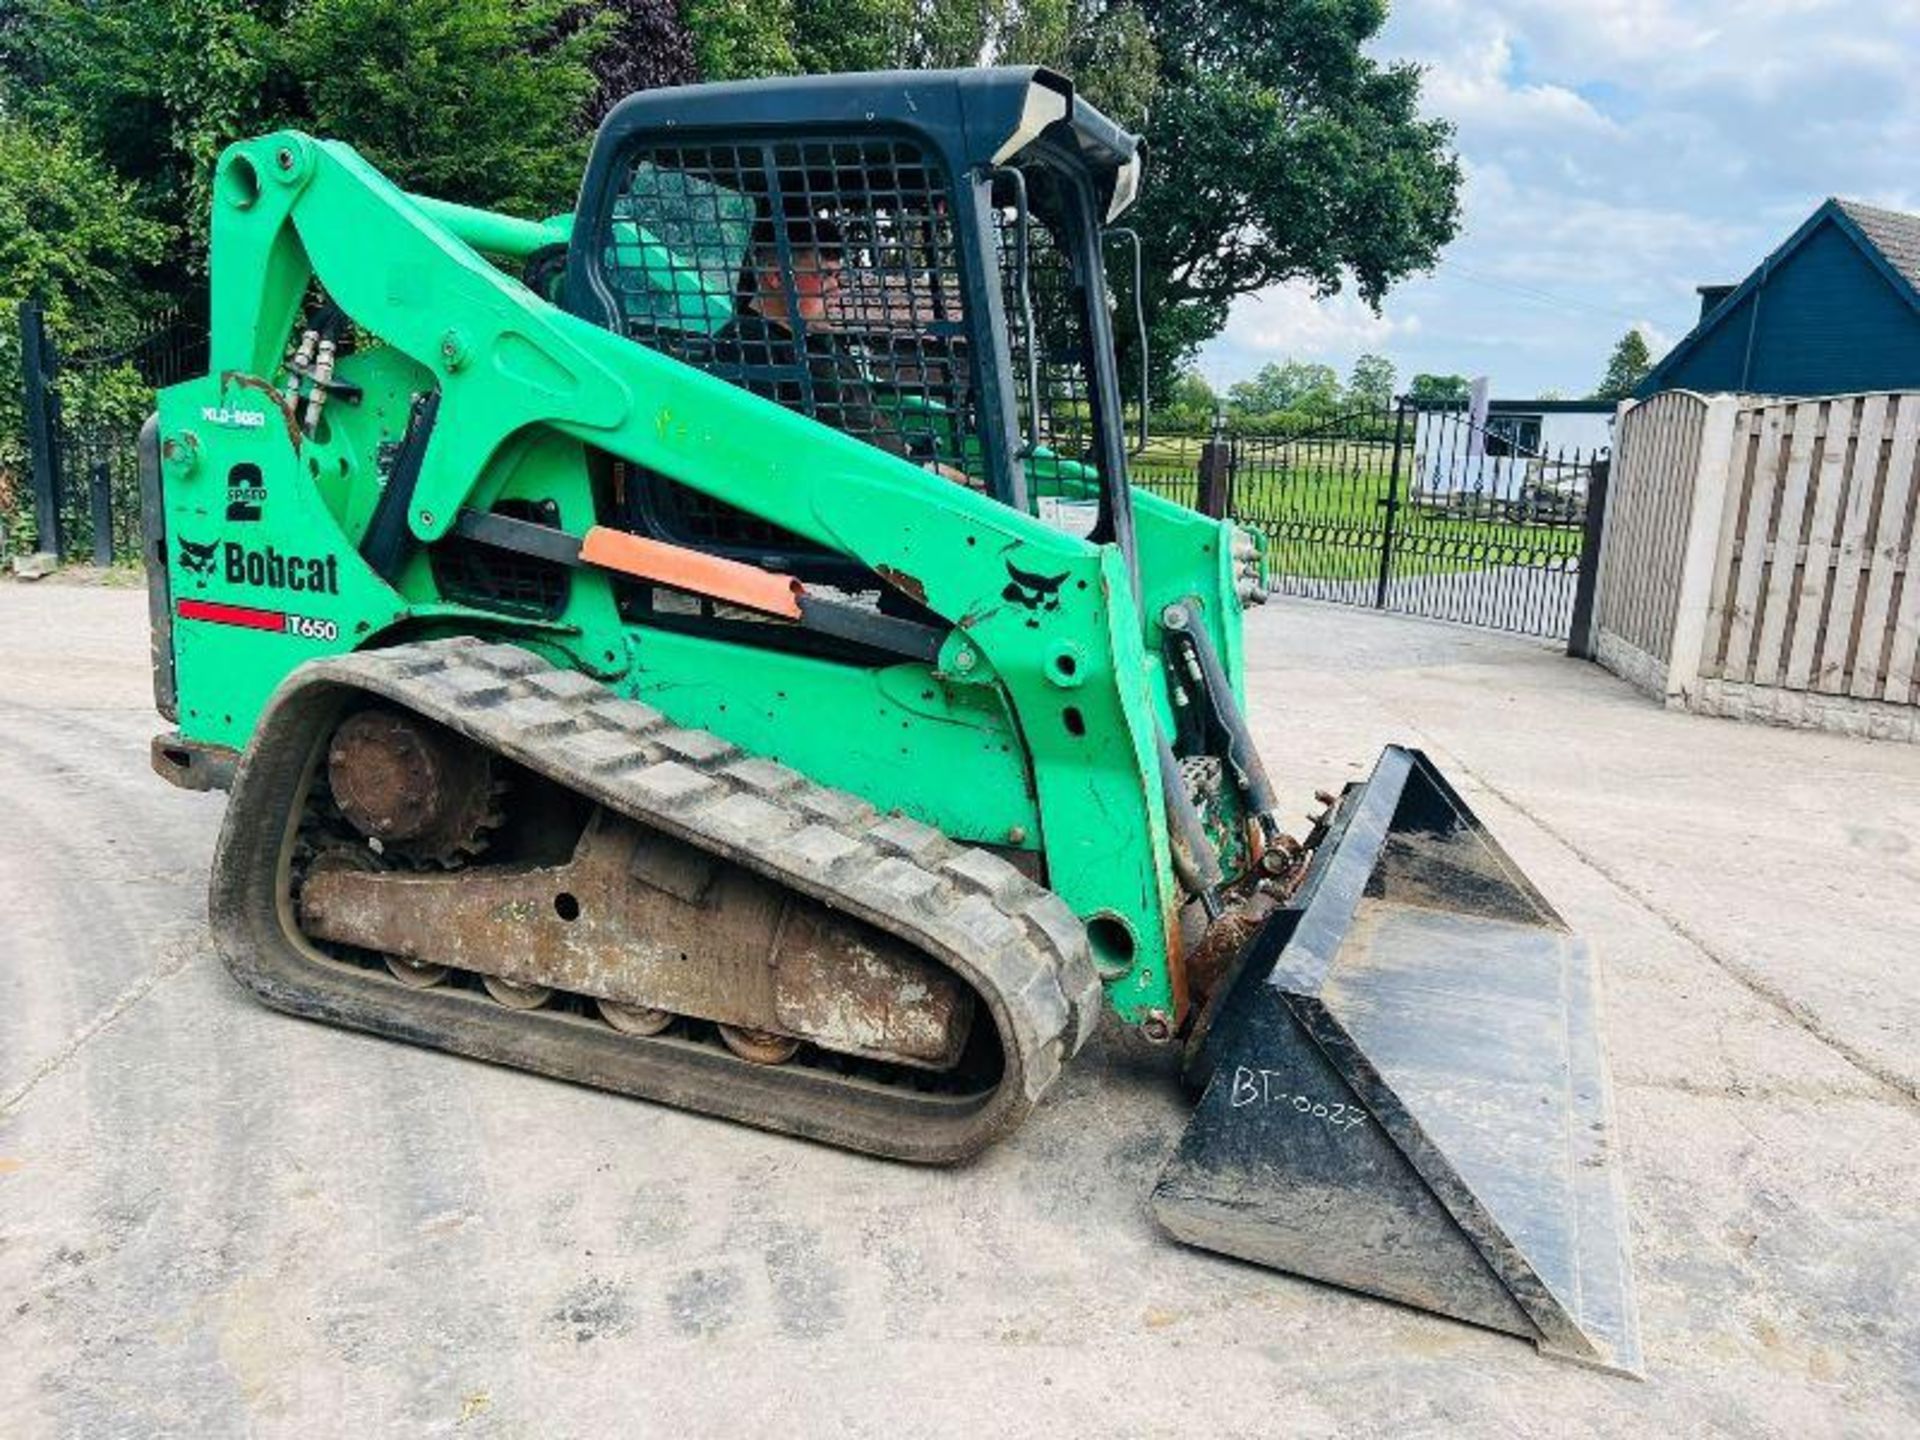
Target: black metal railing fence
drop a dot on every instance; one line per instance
(1421, 509)
(69, 468)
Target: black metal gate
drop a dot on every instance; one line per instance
(1420, 509)
(83, 406)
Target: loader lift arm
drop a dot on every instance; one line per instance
(514, 374)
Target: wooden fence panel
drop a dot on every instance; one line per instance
(1813, 585)
(1892, 547)
(1675, 511)
(1640, 625)
(1750, 555)
(1812, 551)
(1648, 507)
(1865, 476)
(1903, 659)
(1780, 540)
(1747, 428)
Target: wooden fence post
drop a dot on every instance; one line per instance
(1216, 478)
(1706, 504)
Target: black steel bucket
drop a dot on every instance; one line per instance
(1404, 1087)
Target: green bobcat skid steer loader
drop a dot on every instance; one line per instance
(706, 646)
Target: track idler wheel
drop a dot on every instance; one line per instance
(759, 1046)
(516, 996)
(634, 1019)
(416, 974)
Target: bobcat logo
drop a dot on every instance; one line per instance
(1035, 592)
(198, 560)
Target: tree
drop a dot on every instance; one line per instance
(70, 235)
(1432, 389)
(836, 35)
(646, 45)
(1371, 383)
(71, 238)
(1279, 150)
(154, 90)
(1288, 386)
(1107, 47)
(1626, 367)
(741, 39)
(482, 101)
(1190, 404)
(1192, 392)
(474, 100)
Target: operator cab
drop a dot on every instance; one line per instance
(912, 258)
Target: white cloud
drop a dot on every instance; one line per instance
(1618, 153)
(1291, 322)
(1292, 316)
(1658, 341)
(1472, 87)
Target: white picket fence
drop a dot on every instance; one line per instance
(1758, 558)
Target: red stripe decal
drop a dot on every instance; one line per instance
(245, 616)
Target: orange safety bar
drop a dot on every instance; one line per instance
(692, 570)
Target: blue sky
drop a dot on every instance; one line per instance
(1618, 153)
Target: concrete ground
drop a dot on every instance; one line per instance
(217, 1220)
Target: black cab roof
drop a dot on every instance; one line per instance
(981, 116)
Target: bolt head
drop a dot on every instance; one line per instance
(283, 157)
(1173, 617)
(963, 660)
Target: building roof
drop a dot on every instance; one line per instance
(1890, 240)
(1894, 234)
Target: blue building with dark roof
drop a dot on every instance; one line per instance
(1835, 308)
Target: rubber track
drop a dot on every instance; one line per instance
(1015, 942)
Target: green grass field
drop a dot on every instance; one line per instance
(1322, 514)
